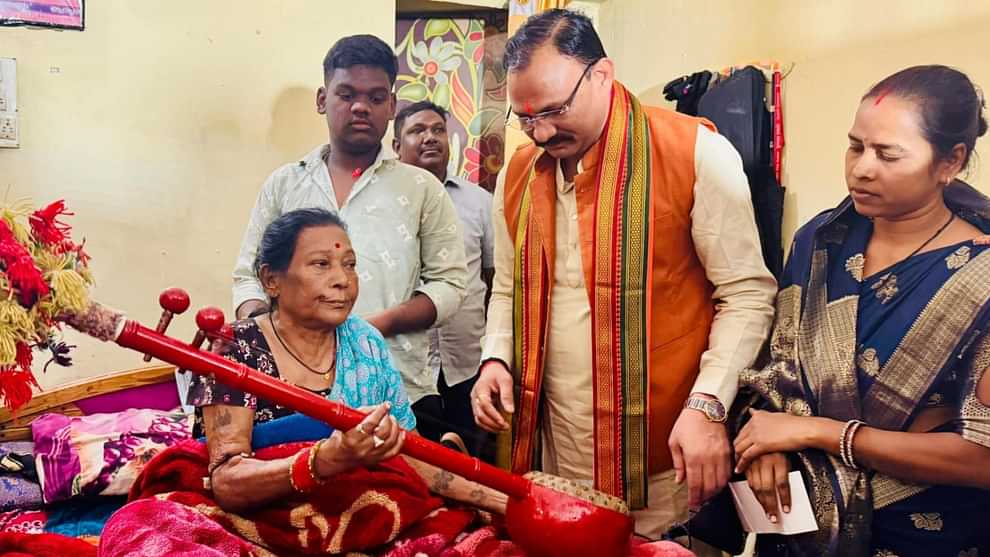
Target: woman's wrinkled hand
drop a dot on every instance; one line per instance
(771, 432)
(767, 476)
(378, 437)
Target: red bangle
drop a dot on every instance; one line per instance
(302, 475)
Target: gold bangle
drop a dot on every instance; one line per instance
(312, 461)
(292, 476)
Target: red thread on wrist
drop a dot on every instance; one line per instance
(485, 363)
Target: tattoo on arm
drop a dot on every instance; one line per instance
(223, 419)
(228, 433)
(477, 496)
(441, 483)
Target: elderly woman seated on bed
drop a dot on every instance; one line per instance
(310, 339)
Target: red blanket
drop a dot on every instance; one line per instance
(357, 510)
(385, 511)
(14, 544)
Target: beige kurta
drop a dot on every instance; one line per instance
(568, 424)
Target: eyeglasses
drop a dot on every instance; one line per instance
(526, 123)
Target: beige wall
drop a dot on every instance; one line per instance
(158, 128)
(653, 42)
(840, 48)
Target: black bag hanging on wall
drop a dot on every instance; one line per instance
(687, 91)
(737, 106)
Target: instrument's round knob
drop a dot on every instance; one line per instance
(221, 338)
(210, 319)
(175, 300)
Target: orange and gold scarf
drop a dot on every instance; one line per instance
(619, 301)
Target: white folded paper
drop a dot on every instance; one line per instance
(754, 519)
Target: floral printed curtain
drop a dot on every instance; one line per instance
(457, 64)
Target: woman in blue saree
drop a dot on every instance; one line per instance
(875, 387)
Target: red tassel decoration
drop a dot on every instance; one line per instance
(24, 355)
(15, 387)
(46, 227)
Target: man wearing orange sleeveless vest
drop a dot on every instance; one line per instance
(630, 288)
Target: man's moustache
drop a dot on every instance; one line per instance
(552, 141)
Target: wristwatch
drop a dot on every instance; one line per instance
(711, 408)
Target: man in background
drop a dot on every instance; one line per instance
(455, 348)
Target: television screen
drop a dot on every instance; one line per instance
(62, 14)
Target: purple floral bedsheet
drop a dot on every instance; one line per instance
(101, 454)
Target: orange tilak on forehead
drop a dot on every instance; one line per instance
(880, 97)
(529, 108)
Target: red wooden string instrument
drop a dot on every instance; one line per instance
(546, 515)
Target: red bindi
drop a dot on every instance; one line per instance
(336, 245)
(529, 108)
(356, 174)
